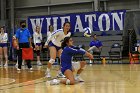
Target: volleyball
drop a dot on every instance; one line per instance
(87, 32)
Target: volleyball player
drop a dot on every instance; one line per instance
(54, 44)
(66, 62)
(3, 46)
(49, 33)
(37, 38)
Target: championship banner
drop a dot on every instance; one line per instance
(97, 21)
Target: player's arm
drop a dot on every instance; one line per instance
(75, 47)
(80, 51)
(30, 39)
(89, 55)
(54, 34)
(74, 51)
(40, 36)
(34, 38)
(100, 44)
(17, 38)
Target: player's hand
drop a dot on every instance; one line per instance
(90, 56)
(17, 47)
(31, 46)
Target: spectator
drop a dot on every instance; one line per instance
(95, 45)
(3, 46)
(24, 41)
(37, 37)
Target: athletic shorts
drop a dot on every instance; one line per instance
(38, 44)
(75, 67)
(51, 44)
(63, 69)
(3, 44)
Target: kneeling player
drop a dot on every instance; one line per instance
(66, 62)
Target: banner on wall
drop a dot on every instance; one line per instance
(97, 21)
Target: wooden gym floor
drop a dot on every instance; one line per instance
(113, 78)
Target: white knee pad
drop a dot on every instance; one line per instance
(76, 65)
(51, 61)
(67, 82)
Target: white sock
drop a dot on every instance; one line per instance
(48, 70)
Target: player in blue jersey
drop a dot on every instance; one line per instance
(66, 61)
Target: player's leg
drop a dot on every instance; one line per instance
(1, 56)
(69, 78)
(51, 61)
(68, 81)
(6, 56)
(38, 55)
(19, 59)
(59, 74)
(80, 66)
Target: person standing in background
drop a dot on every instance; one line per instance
(23, 37)
(3, 46)
(37, 38)
(51, 29)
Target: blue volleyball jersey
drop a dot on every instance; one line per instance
(23, 35)
(67, 54)
(96, 43)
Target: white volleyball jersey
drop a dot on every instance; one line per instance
(3, 38)
(37, 37)
(57, 37)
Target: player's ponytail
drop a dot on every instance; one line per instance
(64, 43)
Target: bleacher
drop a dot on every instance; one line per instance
(107, 40)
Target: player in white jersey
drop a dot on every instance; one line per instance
(37, 38)
(3, 46)
(54, 43)
(49, 33)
